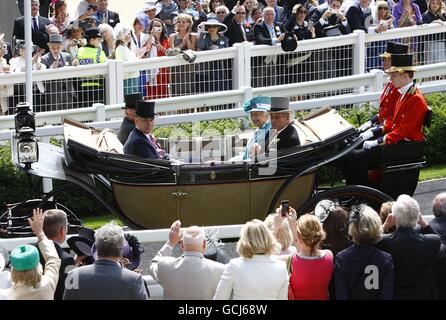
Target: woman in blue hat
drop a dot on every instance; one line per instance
(258, 108)
(28, 280)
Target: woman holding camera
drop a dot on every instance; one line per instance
(159, 79)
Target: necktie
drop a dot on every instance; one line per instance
(35, 25)
(157, 146)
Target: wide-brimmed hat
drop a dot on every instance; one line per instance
(150, 5)
(145, 109)
(395, 48)
(401, 63)
(212, 22)
(289, 43)
(55, 38)
(25, 258)
(131, 99)
(92, 33)
(280, 105)
(83, 242)
(259, 103)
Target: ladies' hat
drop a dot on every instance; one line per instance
(212, 22)
(82, 243)
(150, 5)
(260, 103)
(25, 257)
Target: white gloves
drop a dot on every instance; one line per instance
(370, 144)
(365, 126)
(367, 135)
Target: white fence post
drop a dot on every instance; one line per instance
(359, 53)
(378, 81)
(110, 83)
(119, 81)
(100, 112)
(241, 76)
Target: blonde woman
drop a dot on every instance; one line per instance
(28, 280)
(256, 275)
(282, 232)
(353, 264)
(311, 268)
(183, 77)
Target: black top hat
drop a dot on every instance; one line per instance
(83, 242)
(92, 33)
(279, 104)
(401, 63)
(131, 99)
(145, 109)
(395, 48)
(289, 43)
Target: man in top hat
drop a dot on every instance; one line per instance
(141, 142)
(56, 58)
(405, 125)
(128, 124)
(191, 276)
(390, 95)
(286, 134)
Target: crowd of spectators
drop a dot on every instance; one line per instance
(205, 25)
(285, 257)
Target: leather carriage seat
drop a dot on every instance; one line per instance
(107, 141)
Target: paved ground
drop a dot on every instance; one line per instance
(424, 194)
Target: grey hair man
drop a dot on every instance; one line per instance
(413, 253)
(191, 276)
(439, 211)
(106, 279)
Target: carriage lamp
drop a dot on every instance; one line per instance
(25, 127)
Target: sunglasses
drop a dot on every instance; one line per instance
(221, 12)
(241, 13)
(383, 8)
(302, 11)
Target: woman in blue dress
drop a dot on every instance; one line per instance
(258, 108)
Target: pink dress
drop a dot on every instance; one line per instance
(311, 276)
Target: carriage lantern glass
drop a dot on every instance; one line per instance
(25, 126)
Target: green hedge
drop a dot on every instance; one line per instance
(14, 184)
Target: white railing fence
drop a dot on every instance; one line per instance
(223, 71)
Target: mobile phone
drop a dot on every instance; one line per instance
(285, 208)
(92, 6)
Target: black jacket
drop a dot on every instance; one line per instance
(139, 145)
(288, 138)
(413, 256)
(66, 264)
(356, 18)
(39, 38)
(332, 21)
(235, 33)
(261, 33)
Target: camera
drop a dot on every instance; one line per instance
(157, 29)
(92, 6)
(285, 204)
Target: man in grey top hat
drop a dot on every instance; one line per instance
(128, 124)
(56, 58)
(286, 135)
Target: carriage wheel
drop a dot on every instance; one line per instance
(347, 196)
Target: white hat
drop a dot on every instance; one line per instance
(212, 22)
(121, 29)
(149, 5)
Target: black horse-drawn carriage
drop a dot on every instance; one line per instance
(150, 194)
